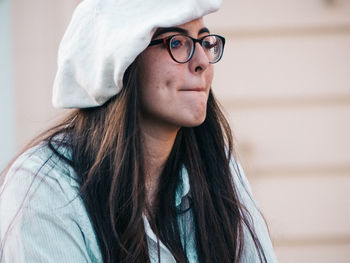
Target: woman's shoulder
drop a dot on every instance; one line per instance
(239, 179)
(39, 174)
(39, 199)
(253, 215)
(41, 162)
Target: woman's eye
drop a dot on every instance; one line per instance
(208, 44)
(176, 43)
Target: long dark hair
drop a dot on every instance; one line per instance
(106, 154)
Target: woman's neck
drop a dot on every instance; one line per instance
(157, 144)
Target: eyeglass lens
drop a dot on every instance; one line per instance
(181, 48)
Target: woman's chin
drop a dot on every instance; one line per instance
(194, 121)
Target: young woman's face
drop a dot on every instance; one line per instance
(175, 94)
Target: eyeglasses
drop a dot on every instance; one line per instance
(181, 47)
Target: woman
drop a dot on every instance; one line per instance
(142, 170)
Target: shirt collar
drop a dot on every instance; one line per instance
(183, 188)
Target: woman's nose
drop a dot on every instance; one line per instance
(200, 60)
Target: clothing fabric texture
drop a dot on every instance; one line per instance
(104, 37)
(52, 224)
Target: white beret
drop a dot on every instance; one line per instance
(104, 37)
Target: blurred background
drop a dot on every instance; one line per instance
(284, 81)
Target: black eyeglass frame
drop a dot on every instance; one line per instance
(166, 43)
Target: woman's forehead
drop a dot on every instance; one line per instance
(179, 30)
(186, 29)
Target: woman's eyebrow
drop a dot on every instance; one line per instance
(162, 31)
(204, 30)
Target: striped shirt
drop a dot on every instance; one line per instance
(43, 219)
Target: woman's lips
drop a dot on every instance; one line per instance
(199, 89)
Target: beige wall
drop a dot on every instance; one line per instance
(285, 83)
(38, 26)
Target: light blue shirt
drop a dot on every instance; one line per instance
(42, 218)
